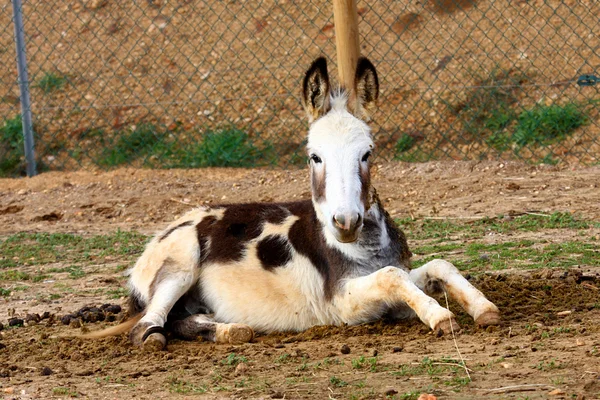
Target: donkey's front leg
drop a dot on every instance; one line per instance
(438, 275)
(368, 297)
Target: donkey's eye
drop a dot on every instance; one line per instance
(315, 158)
(366, 156)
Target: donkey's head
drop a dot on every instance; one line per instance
(339, 146)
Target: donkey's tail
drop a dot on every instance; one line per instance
(114, 330)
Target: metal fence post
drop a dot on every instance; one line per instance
(24, 87)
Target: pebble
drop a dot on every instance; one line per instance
(345, 349)
(46, 371)
(396, 349)
(556, 392)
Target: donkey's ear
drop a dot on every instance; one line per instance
(366, 84)
(315, 89)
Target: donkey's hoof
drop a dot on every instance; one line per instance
(446, 327)
(488, 318)
(234, 334)
(155, 342)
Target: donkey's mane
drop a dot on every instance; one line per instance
(338, 99)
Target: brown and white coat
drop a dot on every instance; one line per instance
(223, 273)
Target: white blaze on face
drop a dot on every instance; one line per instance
(341, 142)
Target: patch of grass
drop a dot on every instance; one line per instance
(283, 359)
(414, 395)
(163, 148)
(337, 382)
(51, 82)
(184, 387)
(547, 124)
(64, 391)
(449, 229)
(117, 293)
(44, 248)
(14, 275)
(225, 148)
(74, 271)
(11, 147)
(143, 140)
(405, 143)
(548, 365)
(489, 107)
(234, 359)
(4, 292)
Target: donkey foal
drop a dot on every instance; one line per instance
(223, 273)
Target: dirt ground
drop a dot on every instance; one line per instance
(547, 346)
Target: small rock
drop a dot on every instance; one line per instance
(45, 315)
(277, 395)
(66, 319)
(564, 313)
(579, 342)
(390, 392)
(345, 349)
(46, 371)
(15, 322)
(9, 390)
(241, 369)
(397, 349)
(556, 392)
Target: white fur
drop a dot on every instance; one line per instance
(340, 140)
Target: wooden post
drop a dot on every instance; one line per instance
(345, 18)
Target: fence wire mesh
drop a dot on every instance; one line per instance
(192, 83)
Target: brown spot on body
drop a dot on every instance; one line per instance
(273, 251)
(241, 223)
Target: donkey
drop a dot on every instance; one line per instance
(225, 272)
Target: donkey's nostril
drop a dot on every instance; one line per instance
(340, 221)
(347, 222)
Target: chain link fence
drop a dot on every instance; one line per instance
(193, 83)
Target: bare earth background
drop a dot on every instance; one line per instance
(537, 343)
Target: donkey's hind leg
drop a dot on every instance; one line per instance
(438, 276)
(169, 285)
(203, 326)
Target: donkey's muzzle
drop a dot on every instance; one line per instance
(348, 226)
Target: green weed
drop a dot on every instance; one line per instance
(44, 248)
(234, 359)
(11, 147)
(51, 82)
(184, 387)
(546, 124)
(405, 143)
(337, 382)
